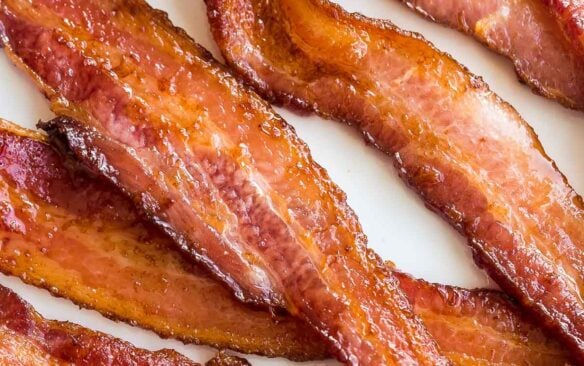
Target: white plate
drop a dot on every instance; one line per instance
(399, 227)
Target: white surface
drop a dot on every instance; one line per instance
(399, 227)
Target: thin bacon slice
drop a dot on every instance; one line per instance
(524, 31)
(212, 164)
(26, 338)
(128, 273)
(469, 155)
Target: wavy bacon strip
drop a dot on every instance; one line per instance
(469, 155)
(524, 31)
(26, 338)
(134, 277)
(212, 164)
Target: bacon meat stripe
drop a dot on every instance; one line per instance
(26, 338)
(469, 155)
(212, 164)
(526, 32)
(134, 277)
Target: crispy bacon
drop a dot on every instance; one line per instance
(469, 155)
(523, 31)
(134, 277)
(52, 213)
(28, 339)
(212, 164)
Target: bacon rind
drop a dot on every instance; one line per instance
(469, 155)
(211, 163)
(525, 32)
(470, 326)
(28, 339)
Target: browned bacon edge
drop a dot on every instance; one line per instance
(469, 155)
(28, 339)
(212, 164)
(129, 273)
(528, 33)
(224, 359)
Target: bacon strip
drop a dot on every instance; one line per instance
(524, 31)
(216, 168)
(28, 339)
(134, 277)
(468, 154)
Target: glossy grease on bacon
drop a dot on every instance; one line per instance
(469, 155)
(134, 277)
(213, 165)
(128, 271)
(26, 338)
(480, 327)
(526, 32)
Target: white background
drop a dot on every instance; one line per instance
(399, 227)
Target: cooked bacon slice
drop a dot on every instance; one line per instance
(134, 277)
(469, 155)
(524, 31)
(26, 338)
(212, 164)
(128, 272)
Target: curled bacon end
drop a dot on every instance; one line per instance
(28, 339)
(526, 32)
(129, 273)
(469, 155)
